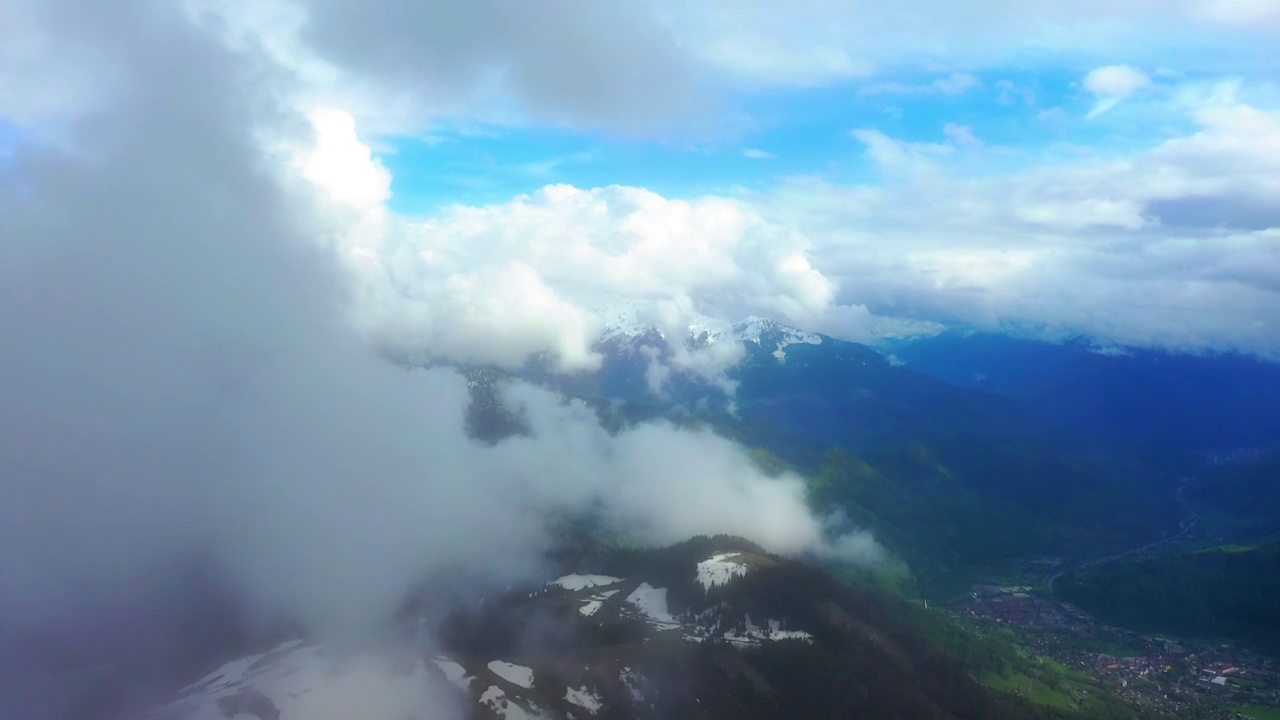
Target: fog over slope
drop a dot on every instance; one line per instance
(179, 371)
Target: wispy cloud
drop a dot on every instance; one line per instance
(951, 85)
(758, 154)
(1111, 84)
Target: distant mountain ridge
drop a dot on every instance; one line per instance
(628, 326)
(1130, 396)
(827, 390)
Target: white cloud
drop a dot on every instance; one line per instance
(501, 283)
(956, 83)
(1247, 13)
(961, 135)
(1010, 93)
(890, 37)
(759, 59)
(1113, 83)
(1173, 246)
(929, 244)
(758, 154)
(900, 158)
(560, 64)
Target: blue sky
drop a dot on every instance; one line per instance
(1035, 115)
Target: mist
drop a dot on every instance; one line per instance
(181, 378)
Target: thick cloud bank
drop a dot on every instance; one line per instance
(180, 370)
(1175, 246)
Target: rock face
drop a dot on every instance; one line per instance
(711, 628)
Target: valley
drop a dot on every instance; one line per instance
(1168, 673)
(1160, 674)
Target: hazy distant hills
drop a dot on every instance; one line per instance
(956, 383)
(822, 389)
(1126, 396)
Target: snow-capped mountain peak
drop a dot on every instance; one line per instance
(767, 333)
(639, 320)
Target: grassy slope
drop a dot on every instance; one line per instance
(998, 657)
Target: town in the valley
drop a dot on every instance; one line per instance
(1170, 676)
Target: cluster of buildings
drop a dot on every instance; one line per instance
(1169, 676)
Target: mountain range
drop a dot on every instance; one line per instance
(957, 382)
(967, 456)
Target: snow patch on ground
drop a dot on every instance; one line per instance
(720, 569)
(753, 634)
(496, 700)
(454, 672)
(652, 603)
(512, 673)
(296, 682)
(582, 582)
(595, 601)
(584, 698)
(229, 674)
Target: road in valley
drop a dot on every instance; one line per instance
(1184, 526)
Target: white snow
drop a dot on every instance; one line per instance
(584, 698)
(791, 635)
(229, 674)
(755, 635)
(652, 602)
(634, 319)
(753, 329)
(720, 569)
(512, 673)
(454, 672)
(496, 700)
(582, 582)
(313, 683)
(627, 320)
(595, 601)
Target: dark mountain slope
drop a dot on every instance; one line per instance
(713, 628)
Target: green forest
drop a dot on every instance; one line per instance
(1228, 592)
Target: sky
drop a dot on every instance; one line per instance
(1089, 168)
(218, 215)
